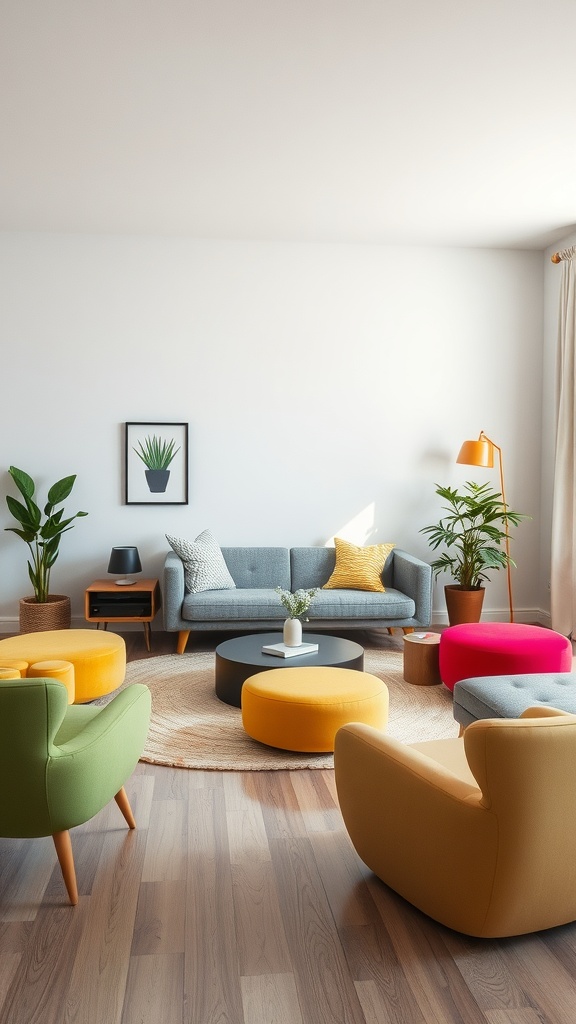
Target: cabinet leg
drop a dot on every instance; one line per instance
(148, 636)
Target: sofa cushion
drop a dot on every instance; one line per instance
(262, 604)
(357, 604)
(259, 567)
(233, 605)
(311, 567)
(204, 565)
(358, 568)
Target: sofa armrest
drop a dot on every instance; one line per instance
(413, 577)
(173, 591)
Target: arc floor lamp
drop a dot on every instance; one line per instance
(481, 453)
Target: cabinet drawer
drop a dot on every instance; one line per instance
(121, 606)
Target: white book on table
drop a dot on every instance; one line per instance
(282, 651)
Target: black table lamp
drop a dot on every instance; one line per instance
(124, 561)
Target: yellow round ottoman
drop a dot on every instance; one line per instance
(17, 663)
(62, 670)
(9, 673)
(303, 708)
(99, 657)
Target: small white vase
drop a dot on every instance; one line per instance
(292, 632)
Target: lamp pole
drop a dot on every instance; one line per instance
(480, 453)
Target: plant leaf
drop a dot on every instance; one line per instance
(24, 483)
(61, 489)
(27, 517)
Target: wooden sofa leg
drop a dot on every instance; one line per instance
(123, 802)
(66, 860)
(407, 629)
(182, 641)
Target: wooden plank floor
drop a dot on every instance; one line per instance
(240, 900)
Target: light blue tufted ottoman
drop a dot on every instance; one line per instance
(508, 696)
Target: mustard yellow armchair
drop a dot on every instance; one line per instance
(478, 832)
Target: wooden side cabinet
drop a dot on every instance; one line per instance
(105, 601)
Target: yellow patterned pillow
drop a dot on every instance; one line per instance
(358, 568)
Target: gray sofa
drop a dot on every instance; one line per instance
(254, 604)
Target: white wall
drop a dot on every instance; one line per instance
(327, 388)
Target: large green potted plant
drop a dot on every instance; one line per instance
(474, 534)
(42, 532)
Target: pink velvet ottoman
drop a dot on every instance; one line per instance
(500, 648)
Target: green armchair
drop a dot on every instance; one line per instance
(60, 764)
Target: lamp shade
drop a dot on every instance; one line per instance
(124, 561)
(477, 453)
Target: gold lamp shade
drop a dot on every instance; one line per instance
(477, 453)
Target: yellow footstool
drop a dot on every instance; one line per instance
(61, 670)
(9, 673)
(99, 658)
(303, 708)
(14, 663)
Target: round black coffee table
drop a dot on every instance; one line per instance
(242, 657)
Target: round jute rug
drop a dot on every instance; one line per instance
(191, 728)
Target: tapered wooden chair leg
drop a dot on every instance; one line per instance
(182, 641)
(123, 802)
(66, 860)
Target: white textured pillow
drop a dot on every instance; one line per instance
(204, 565)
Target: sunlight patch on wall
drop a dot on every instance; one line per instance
(359, 530)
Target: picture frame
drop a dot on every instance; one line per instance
(156, 463)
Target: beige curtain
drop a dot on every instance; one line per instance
(563, 573)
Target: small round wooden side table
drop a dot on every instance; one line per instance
(421, 659)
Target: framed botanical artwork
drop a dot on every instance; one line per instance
(156, 464)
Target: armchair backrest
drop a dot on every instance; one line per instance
(525, 761)
(526, 770)
(31, 712)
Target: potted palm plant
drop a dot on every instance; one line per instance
(156, 455)
(44, 610)
(473, 533)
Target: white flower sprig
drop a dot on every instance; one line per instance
(296, 604)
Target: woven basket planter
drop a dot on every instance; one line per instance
(53, 614)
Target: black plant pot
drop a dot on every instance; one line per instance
(157, 480)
